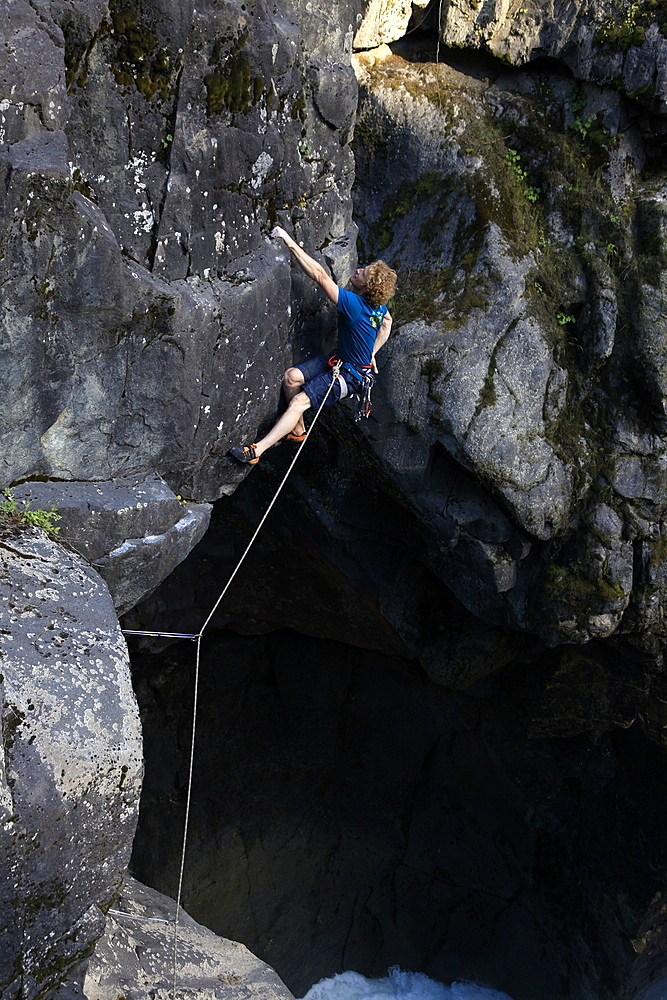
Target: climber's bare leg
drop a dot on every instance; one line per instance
(290, 420)
(293, 380)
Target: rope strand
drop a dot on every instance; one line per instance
(197, 664)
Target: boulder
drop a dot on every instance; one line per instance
(135, 956)
(72, 765)
(385, 21)
(134, 532)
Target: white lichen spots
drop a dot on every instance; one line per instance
(144, 220)
(220, 426)
(219, 242)
(207, 410)
(260, 169)
(5, 104)
(214, 141)
(188, 190)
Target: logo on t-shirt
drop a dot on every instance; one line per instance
(375, 320)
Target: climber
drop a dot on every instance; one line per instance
(364, 325)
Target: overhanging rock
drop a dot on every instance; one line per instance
(135, 532)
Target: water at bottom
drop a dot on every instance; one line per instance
(398, 985)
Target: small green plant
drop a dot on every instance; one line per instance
(611, 249)
(627, 23)
(168, 139)
(513, 158)
(563, 318)
(11, 513)
(578, 102)
(305, 149)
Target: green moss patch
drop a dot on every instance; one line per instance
(231, 86)
(627, 22)
(136, 58)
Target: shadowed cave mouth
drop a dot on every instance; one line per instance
(350, 814)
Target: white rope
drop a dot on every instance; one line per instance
(168, 635)
(197, 658)
(139, 916)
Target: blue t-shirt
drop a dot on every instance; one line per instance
(358, 325)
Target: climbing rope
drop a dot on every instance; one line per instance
(161, 635)
(198, 637)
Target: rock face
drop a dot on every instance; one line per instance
(72, 762)
(612, 44)
(515, 460)
(526, 337)
(135, 957)
(134, 533)
(385, 21)
(146, 153)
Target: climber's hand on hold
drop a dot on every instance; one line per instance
(279, 233)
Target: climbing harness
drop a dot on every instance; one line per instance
(336, 369)
(362, 381)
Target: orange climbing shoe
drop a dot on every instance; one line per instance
(296, 437)
(245, 453)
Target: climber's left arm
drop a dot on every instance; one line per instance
(382, 337)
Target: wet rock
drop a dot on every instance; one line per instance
(72, 764)
(135, 956)
(592, 690)
(649, 978)
(135, 533)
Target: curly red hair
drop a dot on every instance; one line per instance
(380, 283)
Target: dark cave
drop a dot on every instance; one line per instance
(350, 814)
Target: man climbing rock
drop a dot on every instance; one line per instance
(363, 327)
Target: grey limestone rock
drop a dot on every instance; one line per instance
(534, 361)
(134, 532)
(603, 42)
(147, 152)
(72, 762)
(134, 958)
(587, 585)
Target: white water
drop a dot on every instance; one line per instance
(397, 985)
